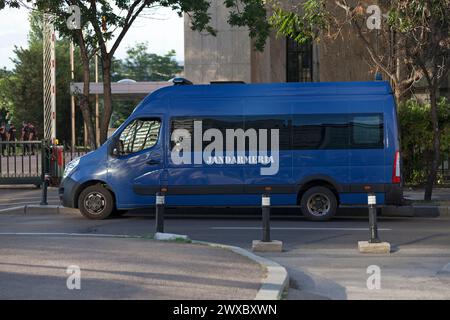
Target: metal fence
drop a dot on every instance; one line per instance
(26, 162)
(444, 171)
(75, 152)
(22, 162)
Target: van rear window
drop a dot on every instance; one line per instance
(367, 131)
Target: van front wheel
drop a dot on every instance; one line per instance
(318, 203)
(95, 202)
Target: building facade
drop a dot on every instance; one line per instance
(230, 56)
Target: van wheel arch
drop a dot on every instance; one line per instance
(317, 183)
(91, 183)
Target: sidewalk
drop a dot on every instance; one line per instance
(34, 267)
(342, 274)
(439, 194)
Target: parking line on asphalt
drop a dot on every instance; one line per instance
(299, 228)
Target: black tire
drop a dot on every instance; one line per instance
(318, 204)
(96, 202)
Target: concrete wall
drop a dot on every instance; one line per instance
(224, 57)
(230, 55)
(269, 65)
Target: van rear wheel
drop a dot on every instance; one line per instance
(96, 202)
(318, 204)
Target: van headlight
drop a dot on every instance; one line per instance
(70, 167)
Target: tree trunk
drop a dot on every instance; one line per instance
(84, 98)
(107, 98)
(434, 165)
(85, 108)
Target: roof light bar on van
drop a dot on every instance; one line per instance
(227, 82)
(179, 81)
(396, 176)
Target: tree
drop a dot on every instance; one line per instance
(413, 44)
(417, 145)
(23, 86)
(86, 41)
(140, 65)
(111, 20)
(10, 3)
(6, 104)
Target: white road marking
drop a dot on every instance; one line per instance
(28, 198)
(67, 234)
(299, 228)
(446, 268)
(24, 203)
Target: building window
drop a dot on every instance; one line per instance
(299, 61)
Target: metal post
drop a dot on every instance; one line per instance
(160, 202)
(72, 97)
(49, 77)
(44, 189)
(97, 113)
(372, 201)
(265, 204)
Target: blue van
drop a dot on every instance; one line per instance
(322, 145)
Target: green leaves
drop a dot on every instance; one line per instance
(10, 3)
(250, 13)
(301, 23)
(141, 65)
(417, 137)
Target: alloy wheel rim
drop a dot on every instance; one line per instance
(95, 203)
(319, 204)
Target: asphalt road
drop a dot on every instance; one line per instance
(39, 267)
(321, 258)
(11, 196)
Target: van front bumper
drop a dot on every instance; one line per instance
(67, 192)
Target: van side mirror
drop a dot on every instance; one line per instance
(117, 149)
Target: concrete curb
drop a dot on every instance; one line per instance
(387, 211)
(40, 209)
(276, 280)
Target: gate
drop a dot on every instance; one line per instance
(23, 162)
(26, 162)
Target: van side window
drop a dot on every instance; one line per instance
(367, 131)
(139, 135)
(337, 131)
(320, 131)
(282, 123)
(222, 123)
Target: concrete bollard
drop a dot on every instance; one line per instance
(266, 245)
(45, 184)
(374, 245)
(265, 207)
(160, 204)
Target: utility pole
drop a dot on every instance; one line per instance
(72, 97)
(97, 126)
(49, 81)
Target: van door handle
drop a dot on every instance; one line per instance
(153, 162)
